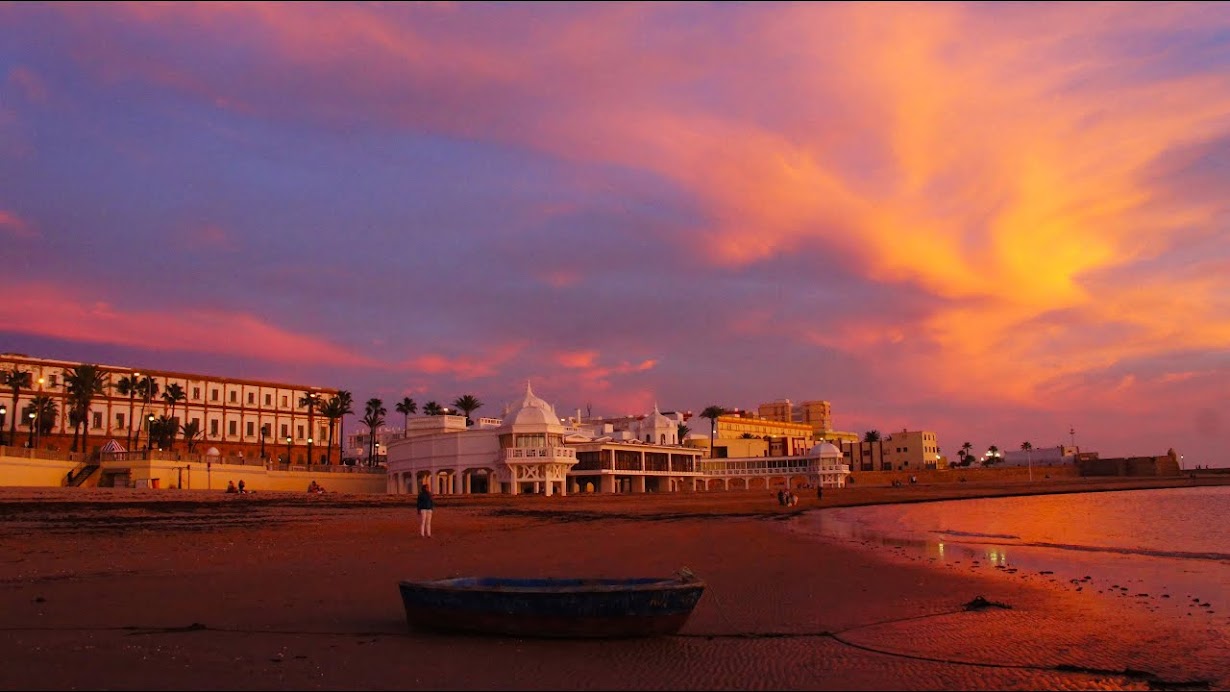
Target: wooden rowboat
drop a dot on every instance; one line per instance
(636, 607)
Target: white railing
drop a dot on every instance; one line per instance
(536, 453)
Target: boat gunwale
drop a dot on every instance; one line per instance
(545, 585)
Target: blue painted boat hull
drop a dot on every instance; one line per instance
(601, 608)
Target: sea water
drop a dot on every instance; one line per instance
(1167, 549)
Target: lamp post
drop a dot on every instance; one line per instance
(3, 411)
(288, 450)
(263, 431)
(309, 456)
(149, 434)
(30, 442)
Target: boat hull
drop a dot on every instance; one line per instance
(570, 608)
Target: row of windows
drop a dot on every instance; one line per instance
(96, 423)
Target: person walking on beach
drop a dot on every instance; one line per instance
(425, 505)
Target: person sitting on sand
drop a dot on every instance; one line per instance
(230, 487)
(242, 490)
(313, 488)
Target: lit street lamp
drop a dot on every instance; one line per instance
(288, 450)
(149, 433)
(3, 410)
(31, 442)
(309, 456)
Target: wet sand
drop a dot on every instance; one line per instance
(156, 589)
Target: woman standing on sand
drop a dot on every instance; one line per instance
(425, 505)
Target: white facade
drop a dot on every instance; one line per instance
(531, 450)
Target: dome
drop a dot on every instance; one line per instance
(532, 413)
(824, 449)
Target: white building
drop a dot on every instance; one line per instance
(532, 450)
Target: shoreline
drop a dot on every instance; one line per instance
(144, 590)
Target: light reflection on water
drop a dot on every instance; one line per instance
(1168, 549)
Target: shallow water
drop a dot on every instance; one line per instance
(1166, 550)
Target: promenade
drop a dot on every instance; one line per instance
(148, 589)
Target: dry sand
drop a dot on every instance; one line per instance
(156, 589)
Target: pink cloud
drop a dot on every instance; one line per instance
(464, 367)
(50, 310)
(15, 226)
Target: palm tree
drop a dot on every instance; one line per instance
(310, 401)
(406, 407)
(346, 404)
(148, 389)
(127, 386)
(83, 383)
(712, 413)
(373, 418)
(1029, 457)
(44, 419)
(682, 431)
(163, 430)
(191, 432)
(16, 380)
(468, 404)
(431, 408)
(173, 396)
(993, 456)
(871, 436)
(333, 411)
(965, 454)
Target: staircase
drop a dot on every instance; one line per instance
(76, 479)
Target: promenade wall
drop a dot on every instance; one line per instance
(960, 475)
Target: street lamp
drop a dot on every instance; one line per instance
(263, 431)
(3, 410)
(309, 457)
(288, 450)
(30, 443)
(149, 433)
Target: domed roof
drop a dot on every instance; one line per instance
(532, 413)
(824, 449)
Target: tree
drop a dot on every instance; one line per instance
(405, 407)
(128, 386)
(147, 388)
(468, 404)
(373, 418)
(333, 410)
(192, 431)
(310, 401)
(346, 403)
(83, 383)
(432, 408)
(16, 380)
(871, 436)
(712, 413)
(1029, 457)
(682, 431)
(163, 430)
(992, 455)
(749, 436)
(173, 396)
(44, 419)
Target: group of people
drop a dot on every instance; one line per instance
(787, 498)
(232, 488)
(315, 487)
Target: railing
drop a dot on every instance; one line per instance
(534, 453)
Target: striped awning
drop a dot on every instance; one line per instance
(112, 447)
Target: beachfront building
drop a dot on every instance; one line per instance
(532, 450)
(820, 466)
(745, 434)
(234, 417)
(816, 413)
(908, 450)
(1040, 456)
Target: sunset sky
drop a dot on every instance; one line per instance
(993, 221)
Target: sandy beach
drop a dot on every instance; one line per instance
(149, 589)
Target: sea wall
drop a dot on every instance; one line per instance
(959, 475)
